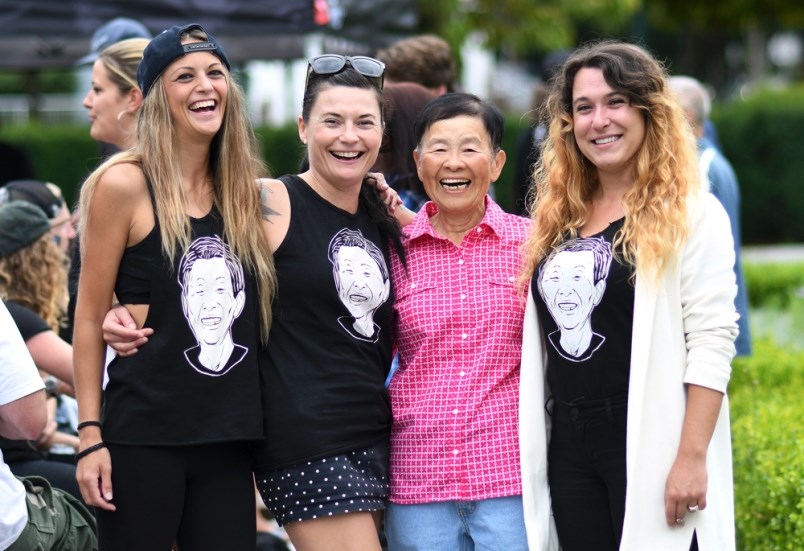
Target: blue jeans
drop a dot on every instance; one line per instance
(486, 524)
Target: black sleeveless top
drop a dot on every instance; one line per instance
(197, 379)
(330, 343)
(584, 298)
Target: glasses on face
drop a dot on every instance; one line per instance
(330, 64)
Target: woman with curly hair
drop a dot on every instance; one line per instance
(630, 324)
(32, 286)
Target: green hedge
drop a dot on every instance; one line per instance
(762, 136)
(774, 285)
(768, 441)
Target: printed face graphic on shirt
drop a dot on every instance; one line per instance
(571, 282)
(361, 278)
(213, 296)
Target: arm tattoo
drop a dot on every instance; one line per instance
(267, 211)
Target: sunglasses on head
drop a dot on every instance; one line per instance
(330, 64)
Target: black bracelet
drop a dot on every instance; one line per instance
(85, 424)
(93, 448)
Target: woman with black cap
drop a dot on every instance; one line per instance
(168, 228)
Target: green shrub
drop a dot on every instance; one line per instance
(774, 285)
(64, 155)
(761, 136)
(768, 441)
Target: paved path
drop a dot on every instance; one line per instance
(773, 253)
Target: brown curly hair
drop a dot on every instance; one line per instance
(665, 168)
(36, 277)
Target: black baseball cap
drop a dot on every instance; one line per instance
(167, 47)
(35, 192)
(21, 223)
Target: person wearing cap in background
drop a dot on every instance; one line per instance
(49, 199)
(111, 32)
(32, 286)
(168, 457)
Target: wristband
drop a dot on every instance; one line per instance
(93, 448)
(85, 424)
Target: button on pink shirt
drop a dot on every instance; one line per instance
(458, 328)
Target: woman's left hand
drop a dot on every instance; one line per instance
(389, 195)
(685, 490)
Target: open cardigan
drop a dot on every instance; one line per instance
(684, 328)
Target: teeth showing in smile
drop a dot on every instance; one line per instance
(206, 104)
(455, 184)
(346, 154)
(610, 139)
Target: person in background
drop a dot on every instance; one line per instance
(113, 104)
(455, 469)
(35, 515)
(403, 103)
(112, 32)
(630, 326)
(424, 59)
(33, 288)
(168, 456)
(48, 197)
(718, 174)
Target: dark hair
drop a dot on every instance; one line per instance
(403, 103)
(627, 68)
(424, 59)
(348, 77)
(370, 200)
(450, 106)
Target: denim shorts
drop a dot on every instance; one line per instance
(494, 523)
(355, 481)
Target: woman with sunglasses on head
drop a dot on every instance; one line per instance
(629, 331)
(322, 468)
(168, 227)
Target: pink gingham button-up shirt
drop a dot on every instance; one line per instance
(458, 329)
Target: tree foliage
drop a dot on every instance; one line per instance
(732, 14)
(523, 26)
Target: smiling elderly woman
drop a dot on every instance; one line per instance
(455, 470)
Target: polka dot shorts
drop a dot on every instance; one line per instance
(352, 482)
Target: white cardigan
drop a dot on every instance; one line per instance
(683, 333)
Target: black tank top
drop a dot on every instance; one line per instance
(197, 379)
(330, 343)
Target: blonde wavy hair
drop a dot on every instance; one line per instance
(235, 166)
(665, 169)
(36, 277)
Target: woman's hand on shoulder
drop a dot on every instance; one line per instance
(391, 198)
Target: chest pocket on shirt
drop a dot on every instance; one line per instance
(414, 289)
(508, 297)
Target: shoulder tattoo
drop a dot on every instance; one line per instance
(267, 212)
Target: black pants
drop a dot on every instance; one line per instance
(587, 476)
(586, 472)
(201, 497)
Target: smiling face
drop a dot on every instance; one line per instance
(343, 134)
(457, 164)
(608, 129)
(568, 288)
(105, 103)
(209, 300)
(196, 89)
(361, 285)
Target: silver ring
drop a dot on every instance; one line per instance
(680, 521)
(693, 508)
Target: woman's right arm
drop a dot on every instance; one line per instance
(105, 236)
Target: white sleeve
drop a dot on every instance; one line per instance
(708, 288)
(18, 374)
